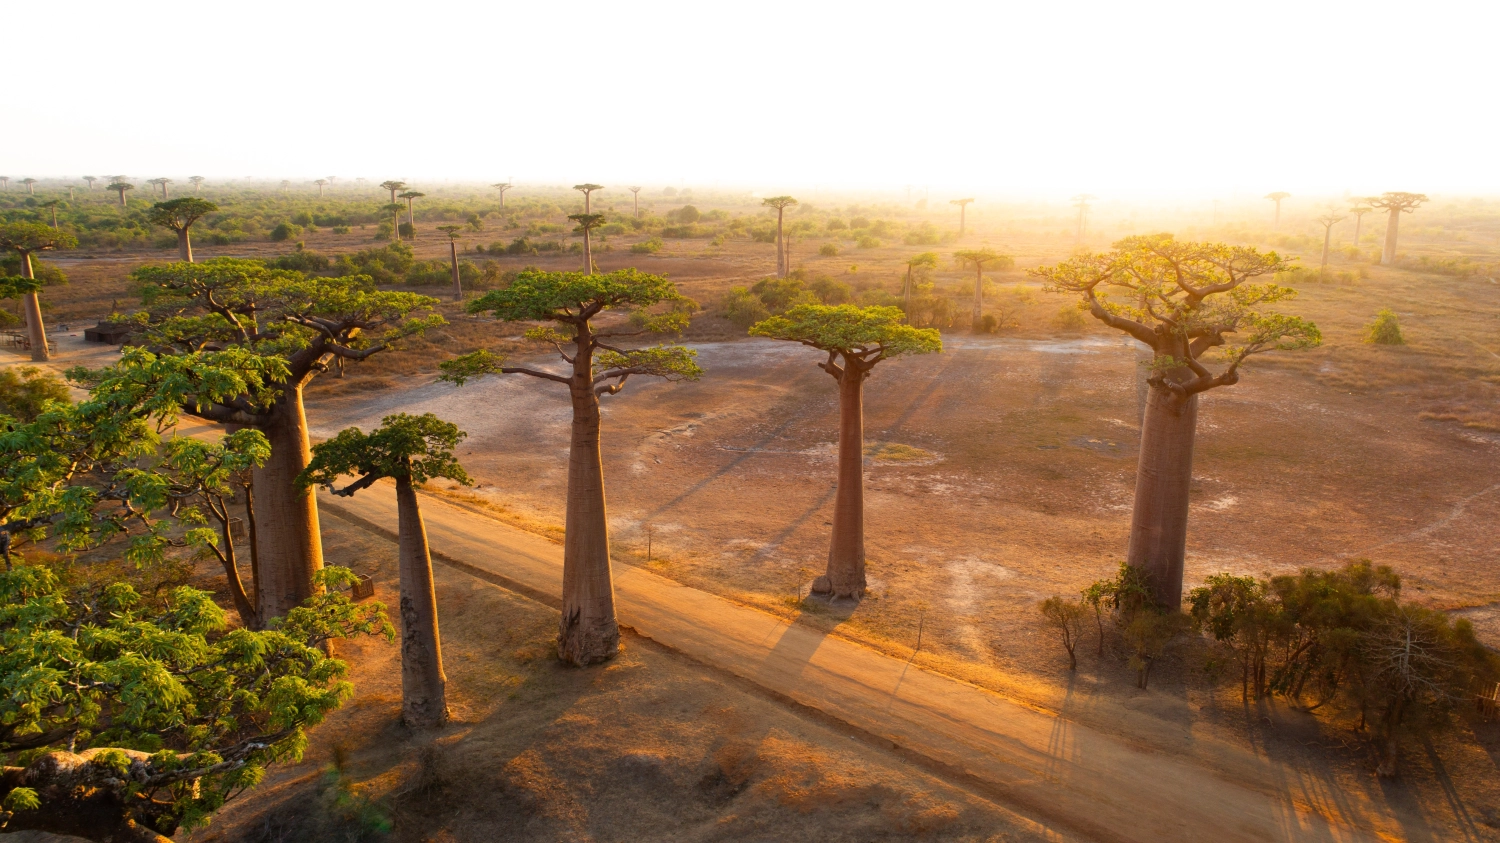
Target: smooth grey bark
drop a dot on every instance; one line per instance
(1388, 254)
(845, 576)
(424, 685)
(36, 331)
(1164, 475)
(290, 543)
(458, 288)
(184, 245)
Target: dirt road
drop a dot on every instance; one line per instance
(1075, 779)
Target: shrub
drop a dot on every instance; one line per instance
(613, 229)
(836, 225)
(44, 272)
(341, 229)
(830, 291)
(1066, 617)
(1384, 330)
(647, 247)
(302, 218)
(301, 260)
(868, 242)
(685, 214)
(1070, 318)
(828, 250)
(24, 390)
(407, 231)
(743, 308)
(286, 231)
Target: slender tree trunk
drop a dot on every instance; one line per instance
(1390, 742)
(424, 694)
(978, 298)
(1327, 235)
(588, 632)
(36, 332)
(290, 540)
(1158, 527)
(1388, 255)
(411, 218)
(963, 217)
(242, 603)
(250, 528)
(638, 206)
(458, 287)
(164, 191)
(906, 295)
(846, 552)
(184, 245)
(780, 246)
(1358, 218)
(588, 253)
(396, 225)
(1277, 222)
(54, 214)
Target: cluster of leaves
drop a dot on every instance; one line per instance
(774, 296)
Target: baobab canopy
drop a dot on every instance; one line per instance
(875, 333)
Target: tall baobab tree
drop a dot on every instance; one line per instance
(51, 205)
(452, 232)
(330, 180)
(855, 338)
(963, 207)
(1396, 203)
(25, 239)
(410, 450)
(155, 185)
(502, 187)
(394, 209)
(595, 366)
(179, 215)
(164, 182)
(120, 187)
(285, 185)
(411, 220)
(1277, 197)
(1359, 212)
(926, 260)
(1082, 201)
(30, 186)
(1181, 299)
(587, 190)
(636, 191)
(780, 203)
(197, 183)
(70, 193)
(5, 183)
(320, 183)
(1328, 221)
(978, 258)
(586, 225)
(91, 180)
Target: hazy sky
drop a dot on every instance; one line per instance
(1033, 98)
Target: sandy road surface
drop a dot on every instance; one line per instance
(1075, 779)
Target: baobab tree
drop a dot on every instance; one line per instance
(285, 183)
(51, 205)
(320, 183)
(855, 338)
(30, 186)
(1396, 203)
(963, 207)
(1359, 212)
(410, 450)
(179, 216)
(587, 190)
(164, 182)
(636, 191)
(780, 203)
(91, 180)
(393, 186)
(5, 183)
(1182, 300)
(411, 220)
(502, 187)
(1328, 221)
(1082, 201)
(452, 232)
(586, 224)
(120, 187)
(1277, 197)
(926, 260)
(978, 258)
(394, 209)
(595, 366)
(155, 185)
(197, 183)
(25, 239)
(267, 333)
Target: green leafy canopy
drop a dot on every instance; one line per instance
(849, 329)
(414, 448)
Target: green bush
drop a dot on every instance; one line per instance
(743, 308)
(303, 218)
(1070, 318)
(868, 242)
(44, 272)
(301, 260)
(24, 390)
(830, 291)
(286, 231)
(341, 229)
(828, 250)
(407, 231)
(385, 264)
(1385, 330)
(613, 229)
(647, 247)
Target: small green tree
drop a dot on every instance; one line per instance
(1238, 612)
(1066, 618)
(596, 366)
(1385, 330)
(780, 203)
(452, 232)
(925, 260)
(25, 239)
(410, 450)
(411, 220)
(394, 209)
(856, 339)
(179, 216)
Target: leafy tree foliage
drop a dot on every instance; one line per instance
(25, 392)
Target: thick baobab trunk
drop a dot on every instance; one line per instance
(411, 219)
(962, 219)
(36, 332)
(289, 544)
(184, 245)
(122, 198)
(1164, 474)
(1388, 254)
(588, 632)
(1327, 236)
(846, 553)
(780, 246)
(458, 287)
(424, 687)
(978, 300)
(395, 225)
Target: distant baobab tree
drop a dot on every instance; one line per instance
(927, 260)
(452, 232)
(1328, 221)
(330, 179)
(5, 182)
(120, 187)
(1359, 212)
(1182, 300)
(155, 185)
(70, 193)
(637, 192)
(163, 182)
(26, 239)
(1277, 197)
(361, 181)
(1082, 201)
(588, 632)
(51, 205)
(394, 209)
(30, 186)
(179, 215)
(586, 225)
(963, 207)
(411, 220)
(502, 187)
(980, 257)
(856, 338)
(1396, 203)
(197, 183)
(780, 203)
(285, 183)
(91, 180)
(587, 190)
(320, 183)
